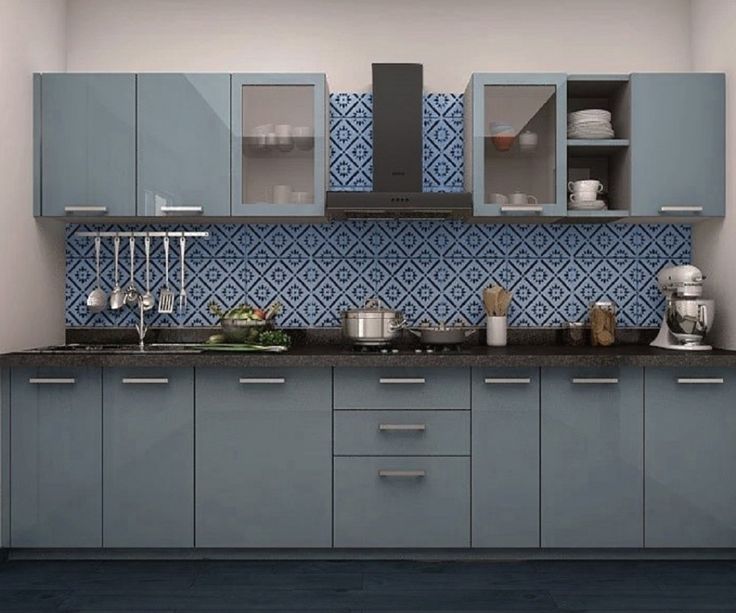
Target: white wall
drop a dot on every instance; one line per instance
(714, 49)
(452, 38)
(32, 39)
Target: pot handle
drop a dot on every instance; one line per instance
(470, 332)
(372, 303)
(416, 333)
(398, 325)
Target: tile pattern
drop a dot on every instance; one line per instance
(432, 270)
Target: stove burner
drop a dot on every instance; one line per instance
(440, 349)
(375, 349)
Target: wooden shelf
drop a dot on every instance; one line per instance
(591, 147)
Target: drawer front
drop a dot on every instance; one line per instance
(402, 433)
(402, 502)
(402, 388)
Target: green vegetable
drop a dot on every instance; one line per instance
(274, 337)
(216, 339)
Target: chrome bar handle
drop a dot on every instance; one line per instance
(402, 427)
(182, 209)
(145, 380)
(681, 209)
(503, 381)
(595, 381)
(522, 209)
(703, 381)
(401, 474)
(262, 380)
(402, 381)
(70, 210)
(52, 381)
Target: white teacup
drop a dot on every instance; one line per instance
(520, 198)
(584, 196)
(303, 137)
(284, 139)
(498, 199)
(585, 185)
(281, 194)
(301, 197)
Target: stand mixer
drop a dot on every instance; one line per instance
(687, 317)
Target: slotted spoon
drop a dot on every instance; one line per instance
(166, 297)
(97, 299)
(117, 297)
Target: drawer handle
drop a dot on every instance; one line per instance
(689, 381)
(258, 381)
(402, 427)
(182, 209)
(681, 209)
(51, 381)
(145, 381)
(70, 210)
(408, 380)
(402, 474)
(594, 381)
(491, 381)
(522, 209)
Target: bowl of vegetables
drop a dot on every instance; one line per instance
(245, 323)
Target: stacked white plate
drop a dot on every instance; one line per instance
(589, 123)
(587, 205)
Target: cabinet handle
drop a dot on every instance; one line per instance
(402, 427)
(182, 209)
(491, 381)
(257, 381)
(688, 381)
(522, 209)
(681, 209)
(51, 381)
(409, 380)
(70, 210)
(146, 380)
(401, 474)
(594, 381)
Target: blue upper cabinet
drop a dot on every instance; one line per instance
(515, 143)
(87, 144)
(678, 145)
(279, 145)
(183, 144)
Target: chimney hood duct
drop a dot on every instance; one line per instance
(397, 156)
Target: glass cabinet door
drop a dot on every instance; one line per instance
(518, 124)
(279, 145)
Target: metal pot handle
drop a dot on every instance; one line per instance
(372, 303)
(398, 325)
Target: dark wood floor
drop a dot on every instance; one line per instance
(367, 586)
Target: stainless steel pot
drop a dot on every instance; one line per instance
(689, 319)
(372, 324)
(442, 334)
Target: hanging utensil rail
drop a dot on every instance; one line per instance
(144, 234)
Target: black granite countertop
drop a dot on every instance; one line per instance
(339, 355)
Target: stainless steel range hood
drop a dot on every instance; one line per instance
(397, 156)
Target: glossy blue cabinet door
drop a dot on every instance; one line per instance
(264, 457)
(262, 102)
(690, 447)
(148, 457)
(592, 457)
(184, 144)
(505, 457)
(56, 457)
(678, 145)
(88, 145)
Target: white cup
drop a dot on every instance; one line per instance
(520, 198)
(281, 194)
(528, 140)
(584, 196)
(498, 199)
(585, 185)
(303, 137)
(271, 139)
(301, 197)
(284, 139)
(263, 129)
(496, 331)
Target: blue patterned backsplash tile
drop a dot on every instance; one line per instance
(431, 270)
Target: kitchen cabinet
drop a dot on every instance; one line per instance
(279, 145)
(505, 457)
(690, 444)
(264, 457)
(87, 145)
(592, 457)
(516, 126)
(55, 452)
(183, 144)
(148, 457)
(678, 145)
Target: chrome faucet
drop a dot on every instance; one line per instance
(135, 297)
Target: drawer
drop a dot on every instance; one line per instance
(401, 433)
(402, 388)
(402, 502)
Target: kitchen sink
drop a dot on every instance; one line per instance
(121, 348)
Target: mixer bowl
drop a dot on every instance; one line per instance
(689, 319)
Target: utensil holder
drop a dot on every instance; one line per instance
(496, 331)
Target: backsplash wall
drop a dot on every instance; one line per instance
(432, 270)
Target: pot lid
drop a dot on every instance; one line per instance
(372, 308)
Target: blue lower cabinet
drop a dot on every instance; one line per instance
(264, 457)
(402, 502)
(55, 457)
(148, 457)
(690, 446)
(592, 457)
(505, 457)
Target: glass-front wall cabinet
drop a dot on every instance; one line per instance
(517, 124)
(279, 145)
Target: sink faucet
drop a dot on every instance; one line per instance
(134, 296)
